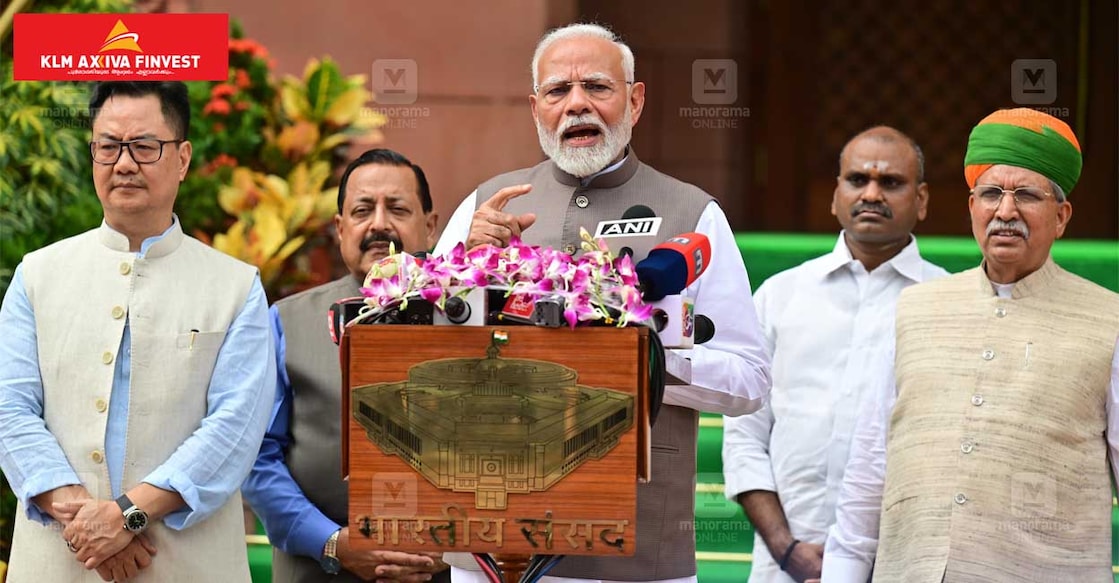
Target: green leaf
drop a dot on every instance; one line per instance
(324, 85)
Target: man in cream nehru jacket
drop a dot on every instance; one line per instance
(585, 102)
(985, 455)
(136, 373)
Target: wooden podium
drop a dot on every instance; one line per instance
(513, 440)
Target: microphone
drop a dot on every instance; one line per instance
(673, 265)
(704, 329)
(678, 325)
(633, 233)
(478, 307)
(341, 312)
(638, 211)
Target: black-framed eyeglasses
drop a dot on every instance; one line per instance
(599, 89)
(143, 150)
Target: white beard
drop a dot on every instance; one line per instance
(583, 162)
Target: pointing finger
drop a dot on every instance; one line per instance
(503, 196)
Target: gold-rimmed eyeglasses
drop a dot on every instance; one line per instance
(143, 150)
(599, 89)
(990, 196)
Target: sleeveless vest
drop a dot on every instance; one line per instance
(75, 288)
(665, 505)
(997, 466)
(315, 455)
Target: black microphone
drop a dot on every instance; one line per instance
(341, 312)
(704, 329)
(457, 310)
(637, 211)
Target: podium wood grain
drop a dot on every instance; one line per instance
(602, 490)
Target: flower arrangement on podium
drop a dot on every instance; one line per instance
(595, 287)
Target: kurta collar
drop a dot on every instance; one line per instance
(162, 244)
(1034, 284)
(611, 179)
(907, 262)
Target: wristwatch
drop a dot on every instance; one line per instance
(135, 520)
(329, 561)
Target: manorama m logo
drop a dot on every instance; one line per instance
(1033, 81)
(395, 81)
(628, 227)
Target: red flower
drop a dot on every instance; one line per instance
(222, 90)
(221, 160)
(241, 105)
(242, 79)
(217, 106)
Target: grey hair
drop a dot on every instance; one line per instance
(582, 30)
(1058, 192)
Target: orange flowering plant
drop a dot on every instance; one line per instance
(264, 154)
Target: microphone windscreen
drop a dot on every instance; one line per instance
(638, 211)
(673, 265)
(704, 329)
(664, 272)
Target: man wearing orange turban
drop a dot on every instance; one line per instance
(984, 456)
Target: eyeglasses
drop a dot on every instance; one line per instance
(1025, 197)
(143, 151)
(597, 89)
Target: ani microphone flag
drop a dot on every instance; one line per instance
(121, 47)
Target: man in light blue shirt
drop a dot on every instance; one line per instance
(135, 372)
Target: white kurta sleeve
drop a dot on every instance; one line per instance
(730, 372)
(853, 539)
(458, 227)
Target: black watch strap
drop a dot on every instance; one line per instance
(124, 502)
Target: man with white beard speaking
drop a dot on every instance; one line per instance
(585, 102)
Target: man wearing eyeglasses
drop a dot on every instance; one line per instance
(585, 102)
(136, 373)
(1001, 396)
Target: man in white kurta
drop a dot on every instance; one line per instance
(824, 321)
(586, 102)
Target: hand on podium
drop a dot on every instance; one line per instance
(387, 565)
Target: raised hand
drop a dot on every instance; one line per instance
(494, 226)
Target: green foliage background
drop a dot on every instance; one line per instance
(46, 192)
